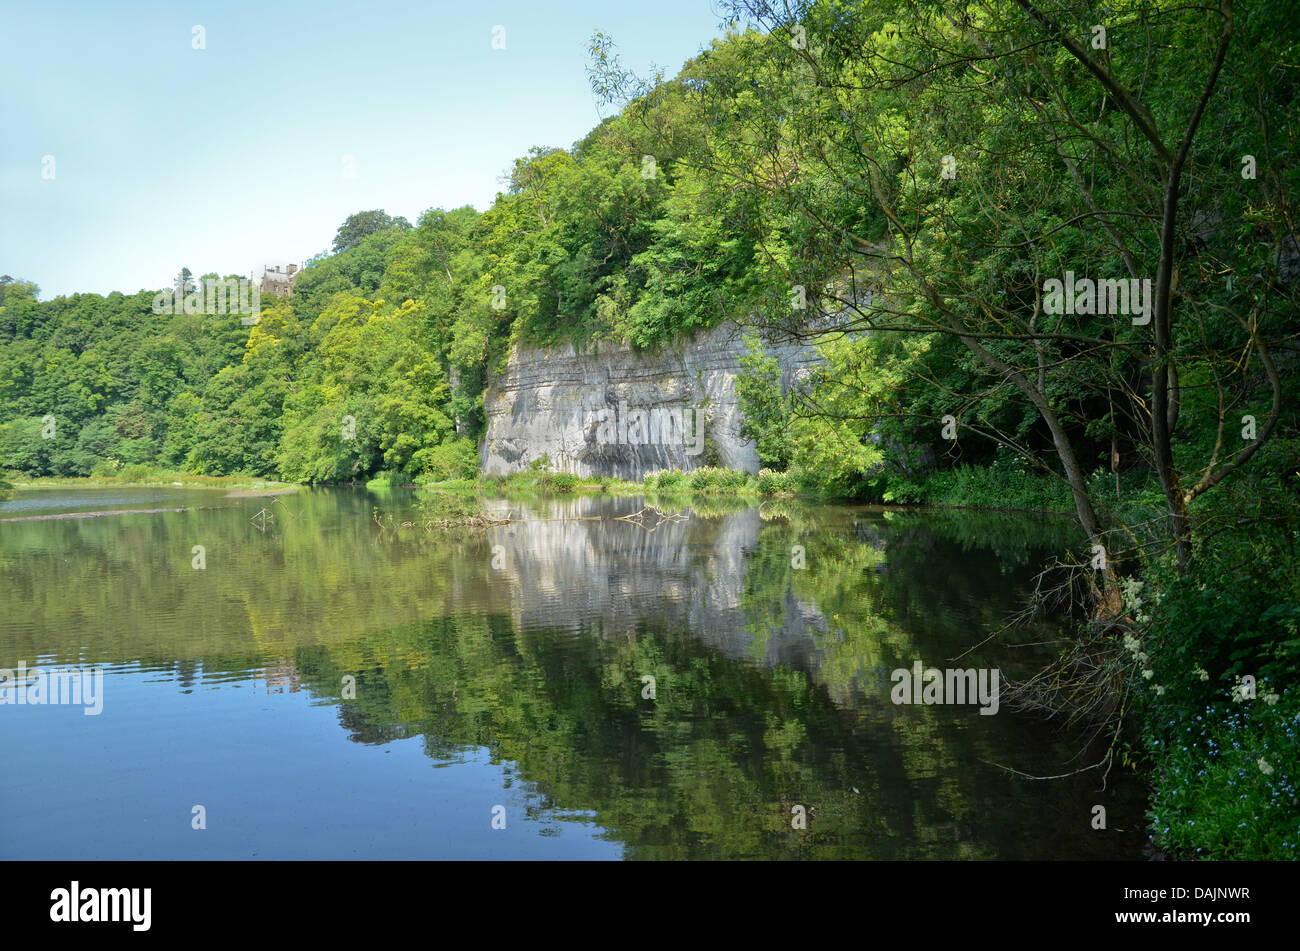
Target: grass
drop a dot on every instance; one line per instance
(958, 488)
(984, 488)
(140, 475)
(707, 480)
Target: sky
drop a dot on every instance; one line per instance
(127, 153)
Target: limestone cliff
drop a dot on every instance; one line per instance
(621, 412)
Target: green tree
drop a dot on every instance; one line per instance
(362, 224)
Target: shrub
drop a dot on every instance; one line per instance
(665, 479)
(137, 473)
(1234, 610)
(713, 479)
(770, 482)
(1226, 763)
(978, 487)
(563, 481)
(454, 459)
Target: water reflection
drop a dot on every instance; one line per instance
(520, 660)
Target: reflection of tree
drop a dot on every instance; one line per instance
(879, 581)
(711, 767)
(365, 730)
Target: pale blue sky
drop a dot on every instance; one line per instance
(230, 157)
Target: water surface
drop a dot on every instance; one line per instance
(342, 680)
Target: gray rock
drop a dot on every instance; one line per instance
(580, 409)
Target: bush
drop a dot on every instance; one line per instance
(978, 487)
(1225, 763)
(770, 482)
(138, 473)
(564, 481)
(1233, 611)
(454, 459)
(713, 479)
(665, 479)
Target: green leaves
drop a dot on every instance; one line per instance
(362, 225)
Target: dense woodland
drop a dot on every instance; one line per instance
(913, 176)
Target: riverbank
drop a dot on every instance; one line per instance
(965, 488)
(707, 480)
(149, 477)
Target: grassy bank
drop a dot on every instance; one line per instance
(707, 480)
(149, 476)
(1215, 657)
(982, 488)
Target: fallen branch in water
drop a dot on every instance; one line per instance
(635, 517)
(433, 524)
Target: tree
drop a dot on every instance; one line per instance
(184, 285)
(924, 170)
(365, 223)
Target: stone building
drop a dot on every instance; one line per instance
(278, 282)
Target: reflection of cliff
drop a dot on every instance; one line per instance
(330, 576)
(577, 565)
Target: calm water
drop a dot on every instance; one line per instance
(500, 679)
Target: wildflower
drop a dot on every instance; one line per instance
(1148, 674)
(1201, 673)
(1264, 767)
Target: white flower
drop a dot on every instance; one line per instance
(1264, 768)
(1159, 689)
(1148, 674)
(1271, 698)
(1201, 672)
(1241, 691)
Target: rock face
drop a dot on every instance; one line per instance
(620, 412)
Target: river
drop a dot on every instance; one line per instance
(328, 674)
